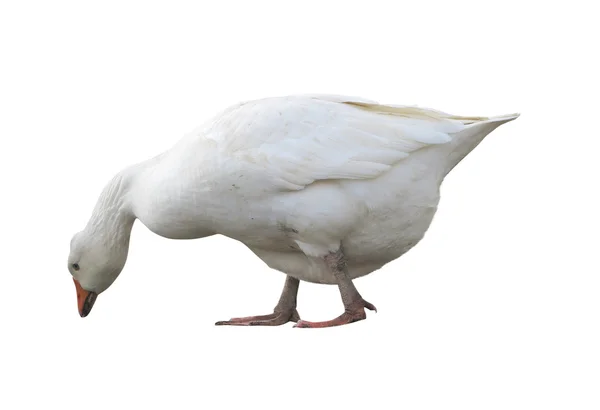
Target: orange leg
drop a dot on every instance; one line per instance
(284, 312)
(354, 304)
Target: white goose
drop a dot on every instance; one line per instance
(322, 188)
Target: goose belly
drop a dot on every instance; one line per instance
(388, 229)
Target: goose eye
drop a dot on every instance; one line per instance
(75, 266)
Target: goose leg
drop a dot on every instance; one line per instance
(354, 304)
(284, 312)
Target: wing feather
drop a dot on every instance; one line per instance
(297, 140)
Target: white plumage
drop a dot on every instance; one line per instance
(298, 140)
(294, 178)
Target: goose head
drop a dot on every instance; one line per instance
(95, 262)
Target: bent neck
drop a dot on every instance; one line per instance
(112, 218)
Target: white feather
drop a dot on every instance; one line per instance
(295, 178)
(301, 139)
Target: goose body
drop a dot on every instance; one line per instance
(297, 179)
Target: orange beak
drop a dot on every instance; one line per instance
(85, 299)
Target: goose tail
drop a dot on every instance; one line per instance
(474, 131)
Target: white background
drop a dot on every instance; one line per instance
(498, 307)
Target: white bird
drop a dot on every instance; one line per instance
(323, 188)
